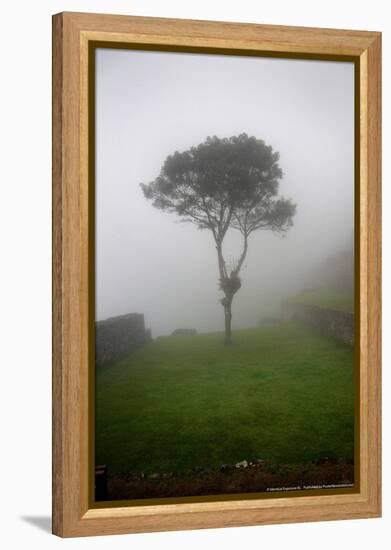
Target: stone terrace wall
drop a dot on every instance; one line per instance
(328, 321)
(119, 335)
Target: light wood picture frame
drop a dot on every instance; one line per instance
(75, 37)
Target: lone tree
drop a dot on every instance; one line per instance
(221, 184)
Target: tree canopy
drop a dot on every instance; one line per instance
(224, 183)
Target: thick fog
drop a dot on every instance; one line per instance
(149, 105)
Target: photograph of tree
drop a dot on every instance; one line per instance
(224, 275)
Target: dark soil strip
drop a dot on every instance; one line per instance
(254, 478)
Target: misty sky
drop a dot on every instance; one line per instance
(150, 104)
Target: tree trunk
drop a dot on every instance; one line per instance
(228, 318)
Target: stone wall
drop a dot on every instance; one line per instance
(339, 324)
(119, 335)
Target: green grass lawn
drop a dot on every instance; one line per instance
(332, 299)
(280, 393)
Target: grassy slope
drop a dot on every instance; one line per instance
(280, 393)
(331, 299)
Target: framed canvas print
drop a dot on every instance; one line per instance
(216, 274)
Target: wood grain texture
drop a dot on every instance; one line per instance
(57, 275)
(72, 514)
(374, 270)
(223, 34)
